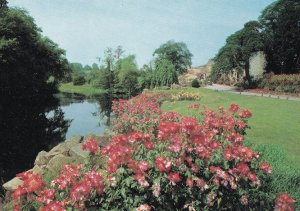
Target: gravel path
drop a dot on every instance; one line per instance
(232, 89)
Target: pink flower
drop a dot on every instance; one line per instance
(244, 200)
(245, 114)
(144, 207)
(189, 182)
(143, 165)
(52, 206)
(79, 192)
(174, 178)
(234, 108)
(156, 189)
(141, 180)
(162, 164)
(91, 146)
(284, 203)
(266, 168)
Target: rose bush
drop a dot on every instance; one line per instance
(162, 161)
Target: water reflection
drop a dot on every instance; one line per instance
(30, 126)
(26, 130)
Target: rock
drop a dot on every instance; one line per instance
(58, 161)
(12, 184)
(41, 158)
(78, 153)
(60, 149)
(37, 170)
(73, 141)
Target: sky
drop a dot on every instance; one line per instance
(85, 28)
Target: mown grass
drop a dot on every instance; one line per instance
(85, 89)
(275, 131)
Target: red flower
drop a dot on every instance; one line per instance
(162, 164)
(266, 168)
(234, 108)
(174, 177)
(52, 206)
(284, 203)
(149, 145)
(189, 182)
(144, 207)
(143, 165)
(91, 146)
(79, 192)
(18, 193)
(245, 114)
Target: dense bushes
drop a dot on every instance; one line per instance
(79, 80)
(281, 83)
(162, 161)
(195, 83)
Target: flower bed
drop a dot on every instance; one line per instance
(162, 161)
(281, 83)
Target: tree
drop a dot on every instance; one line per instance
(280, 22)
(239, 48)
(164, 73)
(27, 59)
(177, 53)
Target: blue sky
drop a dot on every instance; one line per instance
(85, 28)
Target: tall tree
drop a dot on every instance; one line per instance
(239, 48)
(177, 53)
(281, 22)
(164, 73)
(27, 59)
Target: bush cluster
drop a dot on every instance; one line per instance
(79, 80)
(162, 161)
(281, 83)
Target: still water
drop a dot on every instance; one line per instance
(85, 115)
(30, 125)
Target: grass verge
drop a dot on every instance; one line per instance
(85, 89)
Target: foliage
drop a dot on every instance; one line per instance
(280, 21)
(164, 73)
(79, 80)
(276, 33)
(177, 53)
(195, 83)
(162, 160)
(284, 83)
(27, 59)
(238, 49)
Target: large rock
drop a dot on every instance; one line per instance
(78, 153)
(12, 184)
(57, 162)
(41, 158)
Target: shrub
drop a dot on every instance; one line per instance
(282, 83)
(185, 96)
(162, 161)
(195, 83)
(79, 80)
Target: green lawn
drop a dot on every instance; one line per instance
(85, 89)
(274, 122)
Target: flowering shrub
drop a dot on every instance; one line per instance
(185, 96)
(282, 83)
(162, 161)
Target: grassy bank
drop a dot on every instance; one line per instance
(85, 89)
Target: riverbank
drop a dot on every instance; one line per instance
(85, 89)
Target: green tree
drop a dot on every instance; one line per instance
(281, 21)
(27, 59)
(164, 73)
(177, 53)
(238, 49)
(3, 4)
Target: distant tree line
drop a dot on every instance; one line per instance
(276, 33)
(119, 74)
